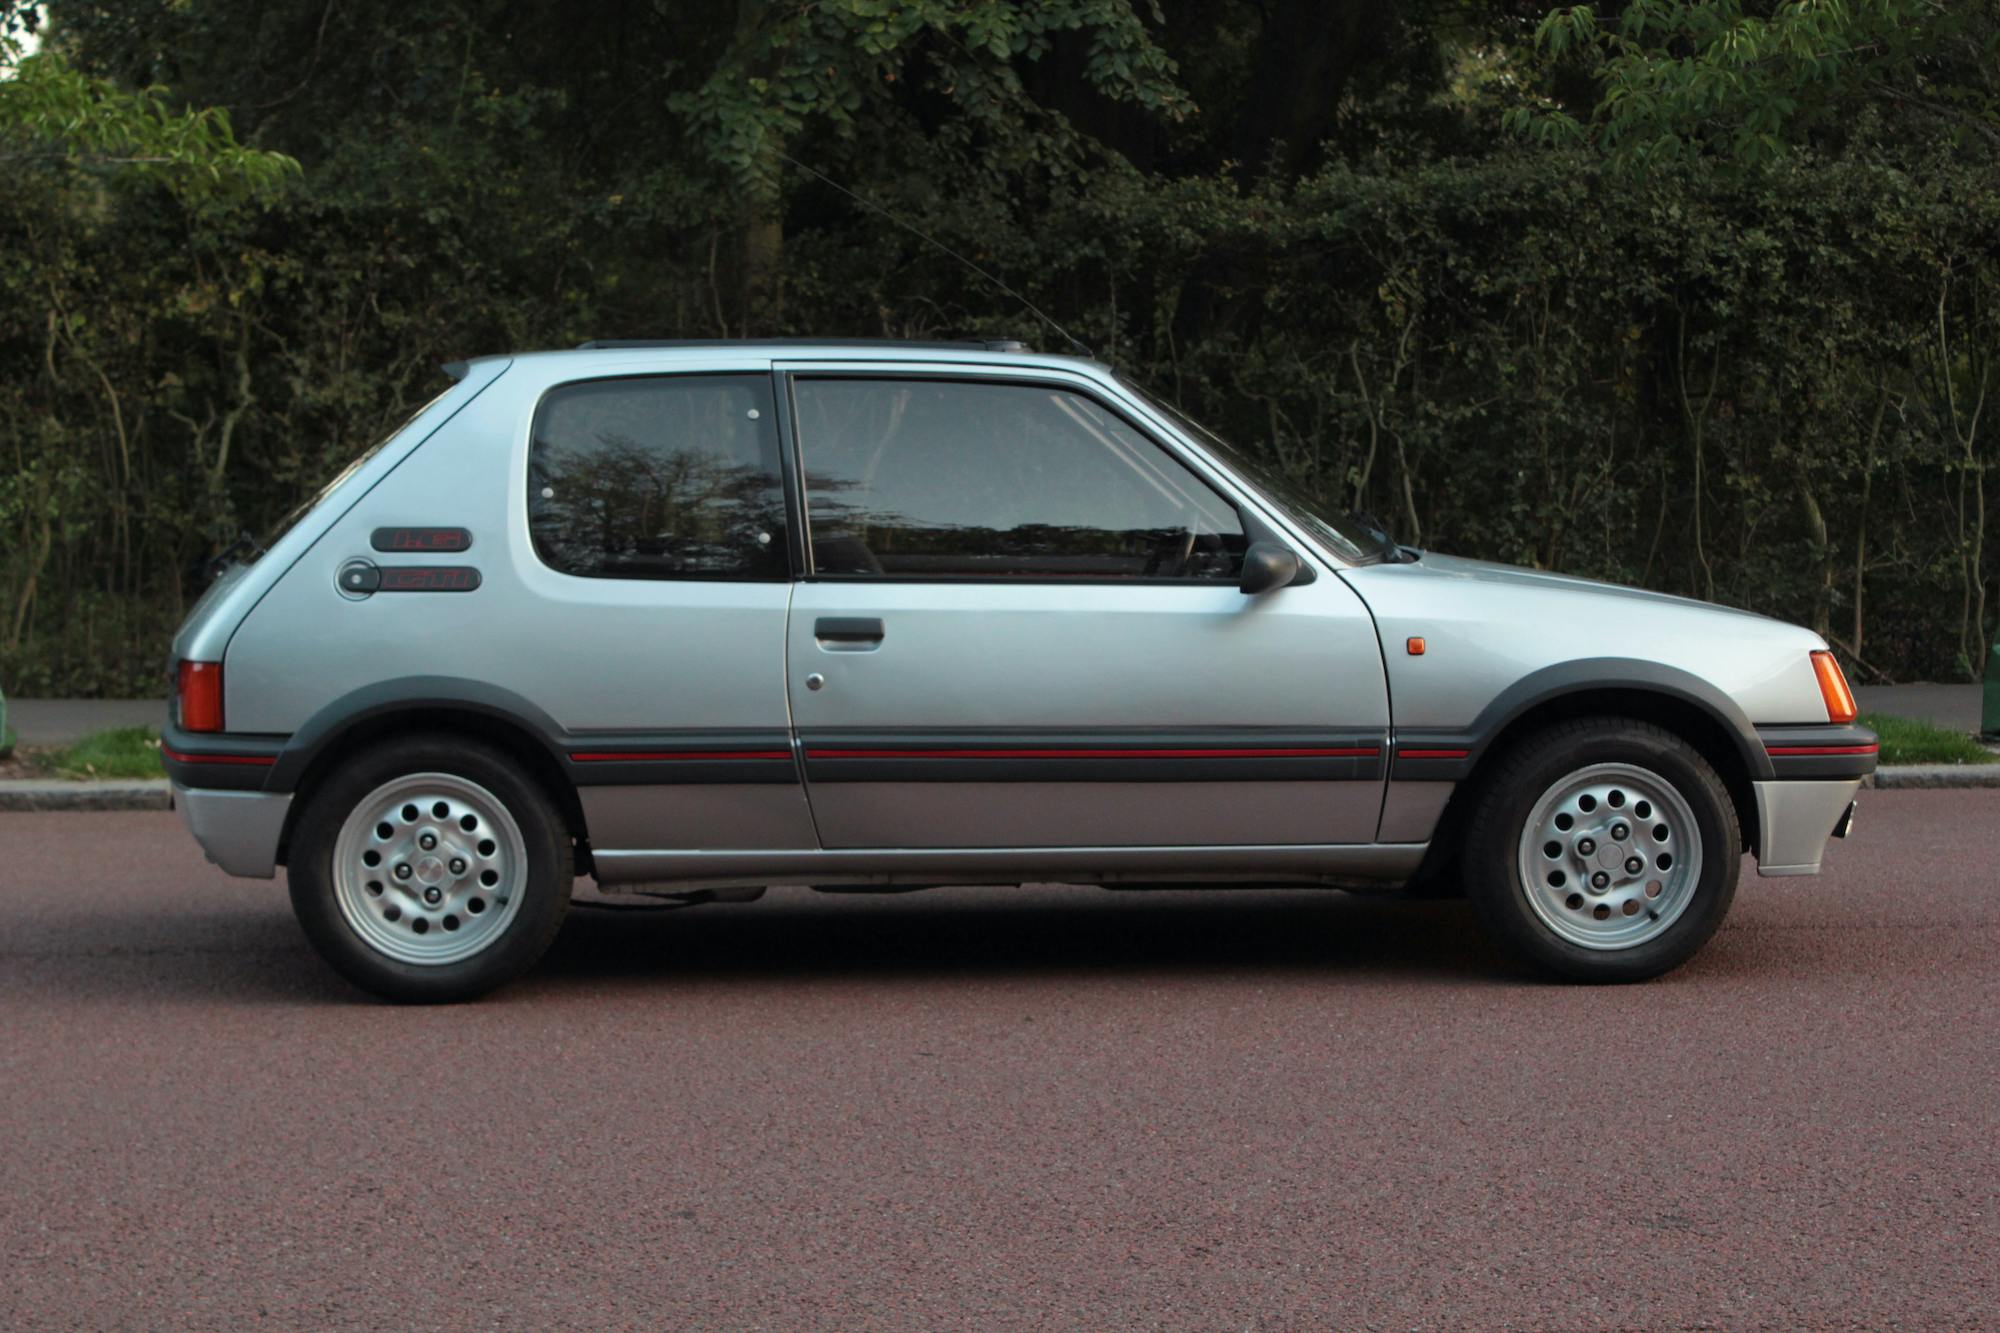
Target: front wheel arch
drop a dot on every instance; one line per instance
(1691, 722)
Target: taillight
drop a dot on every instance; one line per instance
(199, 685)
(1833, 687)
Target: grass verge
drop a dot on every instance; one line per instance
(1908, 742)
(124, 752)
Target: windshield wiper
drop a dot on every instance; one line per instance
(1393, 551)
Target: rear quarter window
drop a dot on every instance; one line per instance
(658, 477)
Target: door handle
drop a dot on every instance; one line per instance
(847, 630)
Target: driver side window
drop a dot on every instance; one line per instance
(961, 479)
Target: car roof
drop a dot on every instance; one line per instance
(1002, 351)
(954, 344)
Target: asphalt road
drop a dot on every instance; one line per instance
(1005, 1109)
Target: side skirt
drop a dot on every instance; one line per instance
(1333, 865)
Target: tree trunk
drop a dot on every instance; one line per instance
(1822, 558)
(760, 291)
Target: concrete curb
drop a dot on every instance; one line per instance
(36, 794)
(1936, 775)
(153, 795)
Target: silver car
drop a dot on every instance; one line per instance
(701, 618)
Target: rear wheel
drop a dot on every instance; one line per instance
(430, 869)
(1603, 850)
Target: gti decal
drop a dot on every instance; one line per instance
(420, 541)
(428, 578)
(714, 757)
(1086, 757)
(662, 756)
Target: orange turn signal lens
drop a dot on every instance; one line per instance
(1415, 647)
(1833, 687)
(199, 686)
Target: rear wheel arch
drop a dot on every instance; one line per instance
(368, 717)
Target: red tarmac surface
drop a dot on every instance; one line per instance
(986, 1108)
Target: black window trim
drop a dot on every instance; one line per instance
(787, 456)
(1255, 528)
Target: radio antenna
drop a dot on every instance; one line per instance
(930, 240)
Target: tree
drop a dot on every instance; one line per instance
(835, 63)
(1687, 78)
(66, 138)
(54, 118)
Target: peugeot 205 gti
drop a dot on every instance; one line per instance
(701, 618)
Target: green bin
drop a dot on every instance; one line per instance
(1989, 716)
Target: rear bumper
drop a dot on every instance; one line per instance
(1794, 820)
(239, 830)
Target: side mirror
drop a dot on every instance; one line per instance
(1268, 565)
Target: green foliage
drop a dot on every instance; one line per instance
(841, 61)
(1909, 742)
(54, 116)
(1753, 376)
(1683, 78)
(85, 159)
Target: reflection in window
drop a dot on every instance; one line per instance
(950, 478)
(660, 477)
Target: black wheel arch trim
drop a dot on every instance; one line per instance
(1565, 679)
(403, 695)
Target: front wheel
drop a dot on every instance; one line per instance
(430, 869)
(1603, 850)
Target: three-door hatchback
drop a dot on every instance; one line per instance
(701, 618)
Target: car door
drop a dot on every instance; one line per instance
(1021, 626)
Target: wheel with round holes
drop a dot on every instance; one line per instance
(1602, 850)
(430, 869)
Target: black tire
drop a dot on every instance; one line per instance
(544, 888)
(1508, 795)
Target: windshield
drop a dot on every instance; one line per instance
(1351, 539)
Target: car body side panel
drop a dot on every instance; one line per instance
(1497, 640)
(205, 635)
(1081, 814)
(1410, 810)
(1114, 712)
(1486, 627)
(610, 664)
(696, 815)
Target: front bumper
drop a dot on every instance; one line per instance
(1794, 820)
(239, 830)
